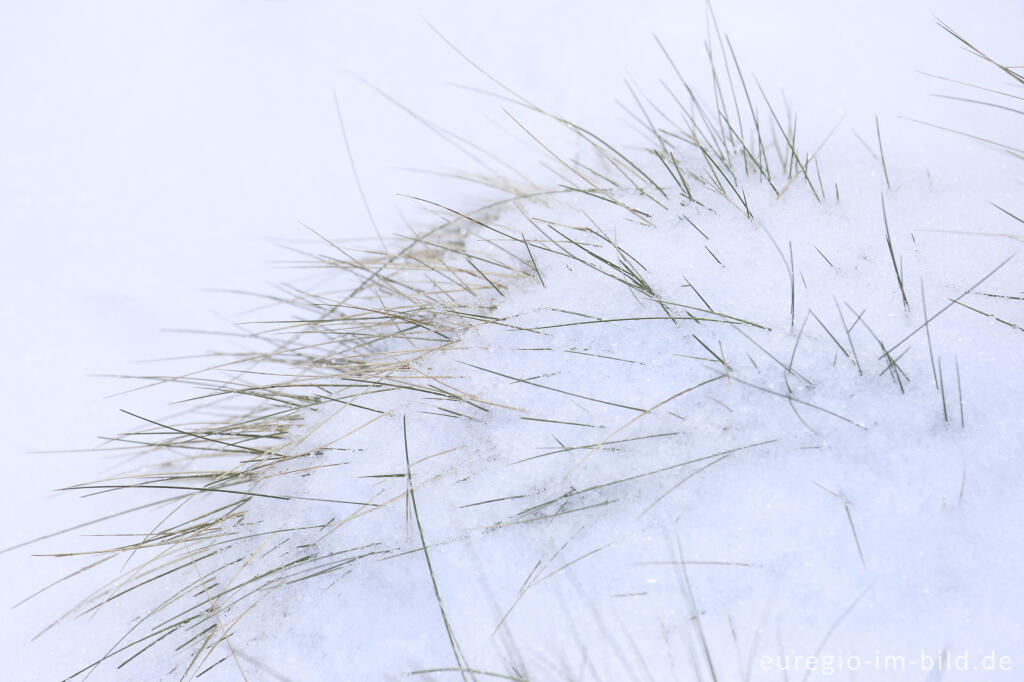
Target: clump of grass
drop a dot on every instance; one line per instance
(229, 511)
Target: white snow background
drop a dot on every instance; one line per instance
(153, 152)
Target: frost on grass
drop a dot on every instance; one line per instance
(692, 402)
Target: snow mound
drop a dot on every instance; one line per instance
(684, 412)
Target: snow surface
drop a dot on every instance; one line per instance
(156, 152)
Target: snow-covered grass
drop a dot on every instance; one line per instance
(658, 408)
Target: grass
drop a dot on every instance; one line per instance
(230, 514)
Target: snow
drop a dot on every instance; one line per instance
(158, 152)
